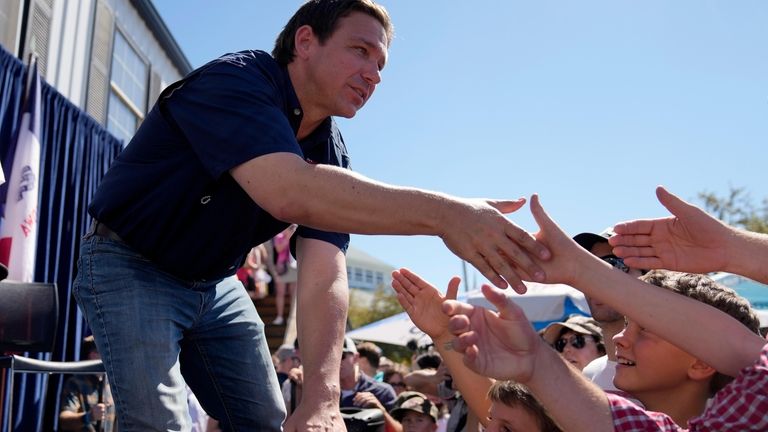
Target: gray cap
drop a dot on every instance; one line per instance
(413, 401)
(577, 323)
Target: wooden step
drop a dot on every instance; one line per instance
(268, 312)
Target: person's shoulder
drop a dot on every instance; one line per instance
(251, 66)
(595, 366)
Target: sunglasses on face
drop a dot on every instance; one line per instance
(616, 262)
(577, 341)
(397, 384)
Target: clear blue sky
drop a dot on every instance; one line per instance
(591, 103)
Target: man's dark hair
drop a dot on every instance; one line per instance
(429, 360)
(371, 352)
(513, 394)
(87, 347)
(705, 290)
(322, 16)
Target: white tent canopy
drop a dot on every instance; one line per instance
(542, 304)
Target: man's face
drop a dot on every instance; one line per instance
(600, 312)
(503, 418)
(414, 421)
(648, 366)
(343, 72)
(347, 368)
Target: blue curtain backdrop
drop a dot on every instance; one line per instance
(75, 153)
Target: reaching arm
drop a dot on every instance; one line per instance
(322, 304)
(423, 303)
(690, 240)
(335, 199)
(504, 346)
(659, 310)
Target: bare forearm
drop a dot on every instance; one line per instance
(569, 398)
(473, 387)
(71, 421)
(336, 199)
(322, 313)
(748, 255)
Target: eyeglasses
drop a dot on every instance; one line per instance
(577, 341)
(616, 262)
(397, 384)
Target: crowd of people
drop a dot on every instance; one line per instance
(270, 264)
(684, 354)
(253, 134)
(689, 354)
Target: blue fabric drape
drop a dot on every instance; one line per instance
(75, 153)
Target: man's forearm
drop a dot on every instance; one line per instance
(321, 313)
(336, 199)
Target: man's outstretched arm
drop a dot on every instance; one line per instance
(336, 199)
(690, 240)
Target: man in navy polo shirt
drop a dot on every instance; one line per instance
(226, 159)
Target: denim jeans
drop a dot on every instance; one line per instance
(155, 332)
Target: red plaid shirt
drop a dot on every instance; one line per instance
(741, 406)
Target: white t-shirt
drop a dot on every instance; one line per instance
(601, 372)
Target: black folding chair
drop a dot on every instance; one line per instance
(29, 315)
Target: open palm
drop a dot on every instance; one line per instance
(500, 345)
(423, 302)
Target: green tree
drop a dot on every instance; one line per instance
(737, 209)
(364, 309)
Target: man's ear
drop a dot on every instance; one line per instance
(303, 40)
(699, 371)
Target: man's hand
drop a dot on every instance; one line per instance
(98, 412)
(423, 302)
(500, 345)
(367, 400)
(690, 240)
(478, 232)
(310, 417)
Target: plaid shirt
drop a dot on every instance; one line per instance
(741, 406)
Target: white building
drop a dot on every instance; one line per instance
(366, 273)
(111, 58)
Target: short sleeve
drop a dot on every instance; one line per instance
(231, 111)
(340, 240)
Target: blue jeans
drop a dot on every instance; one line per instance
(156, 332)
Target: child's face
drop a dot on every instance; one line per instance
(413, 421)
(647, 364)
(506, 418)
(579, 357)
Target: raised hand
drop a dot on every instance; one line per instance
(569, 259)
(478, 232)
(423, 302)
(690, 240)
(500, 345)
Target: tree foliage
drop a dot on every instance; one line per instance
(364, 309)
(737, 209)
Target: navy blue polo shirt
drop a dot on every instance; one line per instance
(169, 194)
